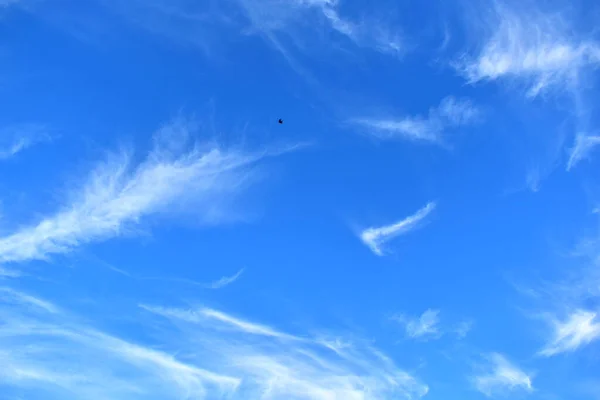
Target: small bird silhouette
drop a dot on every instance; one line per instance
(280, 121)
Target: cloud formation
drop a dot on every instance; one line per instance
(538, 49)
(17, 138)
(424, 327)
(463, 328)
(117, 195)
(501, 377)
(584, 144)
(218, 356)
(52, 366)
(451, 113)
(225, 281)
(375, 238)
(278, 365)
(275, 19)
(580, 328)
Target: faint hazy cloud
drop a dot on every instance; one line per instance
(463, 329)
(451, 113)
(425, 326)
(584, 144)
(500, 376)
(208, 315)
(17, 138)
(219, 356)
(293, 366)
(538, 49)
(375, 238)
(121, 370)
(177, 174)
(580, 328)
(225, 281)
(301, 24)
(6, 3)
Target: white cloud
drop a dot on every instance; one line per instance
(538, 49)
(42, 352)
(295, 367)
(463, 329)
(501, 376)
(9, 273)
(584, 144)
(117, 195)
(374, 238)
(225, 281)
(580, 328)
(206, 314)
(426, 326)
(17, 138)
(8, 294)
(451, 113)
(276, 20)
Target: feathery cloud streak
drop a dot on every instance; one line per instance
(580, 328)
(536, 48)
(422, 327)
(121, 370)
(292, 366)
(375, 238)
(117, 194)
(502, 377)
(451, 113)
(225, 281)
(240, 362)
(582, 149)
(15, 139)
(275, 20)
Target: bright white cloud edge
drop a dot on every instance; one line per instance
(117, 195)
(17, 138)
(450, 113)
(534, 47)
(218, 356)
(578, 329)
(376, 237)
(225, 280)
(425, 326)
(501, 377)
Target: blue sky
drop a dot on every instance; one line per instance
(424, 224)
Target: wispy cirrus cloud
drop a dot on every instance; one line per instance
(23, 299)
(293, 366)
(41, 351)
(17, 138)
(225, 281)
(208, 314)
(375, 238)
(9, 273)
(501, 377)
(463, 328)
(581, 150)
(218, 356)
(451, 113)
(423, 327)
(568, 305)
(579, 328)
(177, 174)
(536, 48)
(306, 28)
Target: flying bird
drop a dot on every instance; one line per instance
(280, 121)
